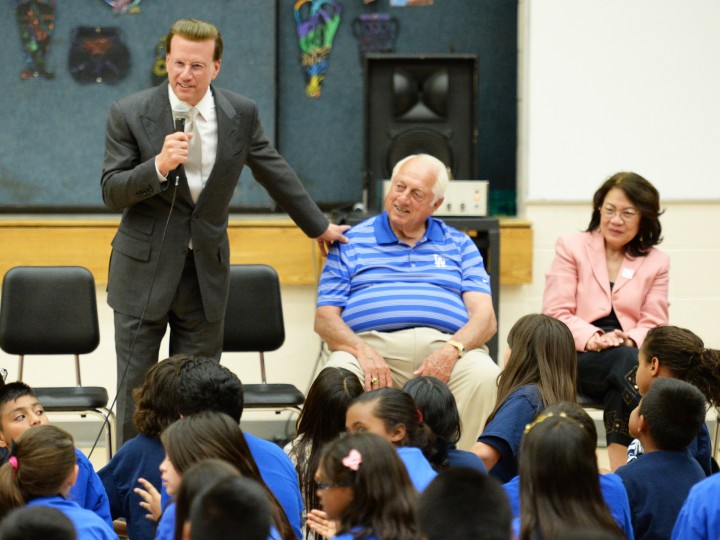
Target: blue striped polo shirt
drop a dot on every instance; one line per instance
(383, 284)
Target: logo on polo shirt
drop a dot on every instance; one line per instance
(439, 261)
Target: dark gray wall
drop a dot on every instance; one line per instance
(51, 154)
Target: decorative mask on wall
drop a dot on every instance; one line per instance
(317, 22)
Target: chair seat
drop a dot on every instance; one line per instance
(270, 396)
(72, 398)
(586, 401)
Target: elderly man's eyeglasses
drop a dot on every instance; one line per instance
(626, 215)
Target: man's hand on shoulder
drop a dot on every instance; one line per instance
(334, 233)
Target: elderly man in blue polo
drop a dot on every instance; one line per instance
(409, 296)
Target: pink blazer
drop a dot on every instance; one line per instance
(577, 288)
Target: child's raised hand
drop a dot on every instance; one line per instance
(151, 499)
(318, 521)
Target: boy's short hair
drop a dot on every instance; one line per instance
(464, 503)
(205, 385)
(11, 392)
(235, 507)
(674, 411)
(37, 522)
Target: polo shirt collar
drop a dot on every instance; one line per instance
(385, 235)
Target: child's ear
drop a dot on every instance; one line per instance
(398, 433)
(654, 366)
(3, 442)
(642, 424)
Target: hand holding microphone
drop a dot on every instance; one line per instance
(176, 147)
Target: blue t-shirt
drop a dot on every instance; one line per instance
(140, 457)
(278, 472)
(88, 491)
(418, 467)
(657, 485)
(613, 492)
(699, 518)
(383, 284)
(88, 524)
(463, 458)
(700, 448)
(505, 431)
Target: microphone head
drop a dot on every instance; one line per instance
(181, 114)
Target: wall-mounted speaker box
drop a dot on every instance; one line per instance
(419, 104)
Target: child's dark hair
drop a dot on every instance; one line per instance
(233, 507)
(674, 411)
(542, 353)
(464, 503)
(13, 391)
(321, 420)
(157, 399)
(383, 498)
(439, 412)
(208, 435)
(395, 407)
(37, 522)
(195, 480)
(685, 355)
(40, 462)
(206, 385)
(559, 482)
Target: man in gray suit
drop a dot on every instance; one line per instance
(170, 258)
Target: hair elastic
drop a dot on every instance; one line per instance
(13, 461)
(353, 460)
(420, 415)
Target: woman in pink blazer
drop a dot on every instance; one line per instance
(610, 286)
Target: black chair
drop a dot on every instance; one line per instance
(52, 310)
(254, 323)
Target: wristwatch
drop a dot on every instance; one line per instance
(459, 346)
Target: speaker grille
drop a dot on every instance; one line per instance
(419, 140)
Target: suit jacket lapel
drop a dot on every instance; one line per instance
(595, 249)
(228, 120)
(157, 120)
(629, 268)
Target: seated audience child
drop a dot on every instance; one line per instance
(208, 435)
(668, 418)
(41, 522)
(140, 457)
(539, 370)
(439, 411)
(40, 471)
(669, 351)
(611, 486)
(206, 385)
(198, 478)
(19, 411)
(699, 517)
(559, 485)
(321, 420)
(392, 414)
(234, 507)
(364, 487)
(464, 504)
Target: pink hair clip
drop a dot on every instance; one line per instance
(12, 460)
(353, 460)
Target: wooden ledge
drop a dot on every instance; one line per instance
(273, 240)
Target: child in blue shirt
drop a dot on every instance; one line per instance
(19, 411)
(41, 470)
(540, 369)
(668, 418)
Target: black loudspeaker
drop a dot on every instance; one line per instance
(418, 104)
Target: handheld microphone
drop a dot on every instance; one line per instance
(180, 116)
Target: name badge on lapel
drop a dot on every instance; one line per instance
(627, 273)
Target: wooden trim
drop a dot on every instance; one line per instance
(276, 241)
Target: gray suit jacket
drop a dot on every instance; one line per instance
(135, 131)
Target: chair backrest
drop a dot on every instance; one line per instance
(254, 316)
(49, 310)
